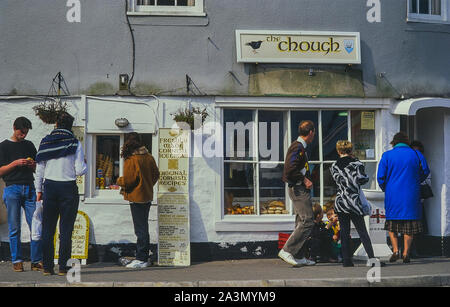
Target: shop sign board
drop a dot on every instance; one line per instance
(267, 46)
(173, 198)
(80, 238)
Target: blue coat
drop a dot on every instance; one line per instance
(399, 177)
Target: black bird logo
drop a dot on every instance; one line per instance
(254, 45)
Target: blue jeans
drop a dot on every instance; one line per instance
(17, 197)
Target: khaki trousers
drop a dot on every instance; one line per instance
(302, 204)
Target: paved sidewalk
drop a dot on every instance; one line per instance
(241, 273)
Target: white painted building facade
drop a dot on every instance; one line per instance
(210, 223)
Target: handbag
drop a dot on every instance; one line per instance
(425, 189)
(366, 207)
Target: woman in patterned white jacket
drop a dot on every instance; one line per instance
(348, 173)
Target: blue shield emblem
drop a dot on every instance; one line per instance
(349, 45)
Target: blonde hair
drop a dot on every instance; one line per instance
(328, 206)
(344, 147)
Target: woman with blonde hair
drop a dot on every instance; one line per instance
(348, 173)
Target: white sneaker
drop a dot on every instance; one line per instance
(137, 264)
(287, 257)
(305, 262)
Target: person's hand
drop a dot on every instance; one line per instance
(31, 163)
(308, 183)
(38, 196)
(335, 237)
(21, 162)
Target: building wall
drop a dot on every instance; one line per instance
(111, 221)
(446, 194)
(429, 127)
(396, 55)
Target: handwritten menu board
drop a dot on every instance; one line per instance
(173, 230)
(173, 198)
(80, 237)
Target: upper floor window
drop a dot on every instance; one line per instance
(427, 10)
(167, 7)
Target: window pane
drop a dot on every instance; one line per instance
(315, 178)
(238, 134)
(146, 140)
(145, 2)
(107, 161)
(334, 128)
(329, 186)
(371, 171)
(436, 7)
(423, 7)
(363, 134)
(413, 6)
(296, 118)
(166, 2)
(272, 194)
(239, 193)
(270, 148)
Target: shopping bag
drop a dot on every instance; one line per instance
(36, 222)
(366, 207)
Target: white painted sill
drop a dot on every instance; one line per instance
(256, 224)
(174, 14)
(105, 201)
(426, 20)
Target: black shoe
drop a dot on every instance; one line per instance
(394, 257)
(406, 259)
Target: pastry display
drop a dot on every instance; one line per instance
(274, 207)
(237, 209)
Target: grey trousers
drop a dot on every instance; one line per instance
(302, 204)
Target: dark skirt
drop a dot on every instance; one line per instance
(409, 227)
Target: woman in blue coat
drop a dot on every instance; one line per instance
(399, 176)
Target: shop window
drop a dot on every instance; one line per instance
(108, 163)
(253, 157)
(427, 10)
(363, 139)
(252, 181)
(167, 7)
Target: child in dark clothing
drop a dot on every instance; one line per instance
(320, 242)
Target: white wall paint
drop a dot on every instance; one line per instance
(446, 187)
(430, 124)
(111, 223)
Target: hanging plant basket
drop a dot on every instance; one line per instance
(188, 116)
(49, 110)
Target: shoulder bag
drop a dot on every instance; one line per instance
(425, 189)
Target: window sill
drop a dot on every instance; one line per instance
(105, 201)
(426, 20)
(175, 14)
(256, 224)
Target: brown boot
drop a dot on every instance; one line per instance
(18, 267)
(37, 266)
